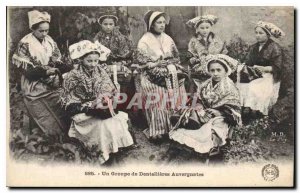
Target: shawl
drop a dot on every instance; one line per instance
(121, 46)
(31, 51)
(162, 49)
(222, 94)
(81, 87)
(214, 45)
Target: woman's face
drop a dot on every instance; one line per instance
(42, 31)
(108, 25)
(204, 29)
(217, 71)
(159, 25)
(261, 35)
(91, 60)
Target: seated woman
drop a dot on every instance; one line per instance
(266, 56)
(203, 43)
(39, 60)
(121, 48)
(159, 68)
(217, 109)
(87, 89)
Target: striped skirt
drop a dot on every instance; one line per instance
(160, 107)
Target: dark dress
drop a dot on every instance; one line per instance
(269, 55)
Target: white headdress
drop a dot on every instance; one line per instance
(210, 18)
(229, 62)
(271, 28)
(37, 17)
(84, 47)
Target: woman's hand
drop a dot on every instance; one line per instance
(214, 112)
(101, 102)
(265, 69)
(262, 68)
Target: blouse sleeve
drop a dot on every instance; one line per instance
(140, 56)
(277, 60)
(249, 59)
(35, 73)
(56, 60)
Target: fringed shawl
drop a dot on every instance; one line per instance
(222, 94)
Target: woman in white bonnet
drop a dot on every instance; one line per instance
(88, 91)
(258, 96)
(159, 66)
(217, 109)
(38, 58)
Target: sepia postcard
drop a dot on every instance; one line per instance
(150, 96)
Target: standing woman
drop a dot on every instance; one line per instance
(266, 56)
(159, 67)
(38, 57)
(203, 43)
(88, 95)
(121, 48)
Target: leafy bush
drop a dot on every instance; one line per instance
(52, 148)
(246, 144)
(238, 48)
